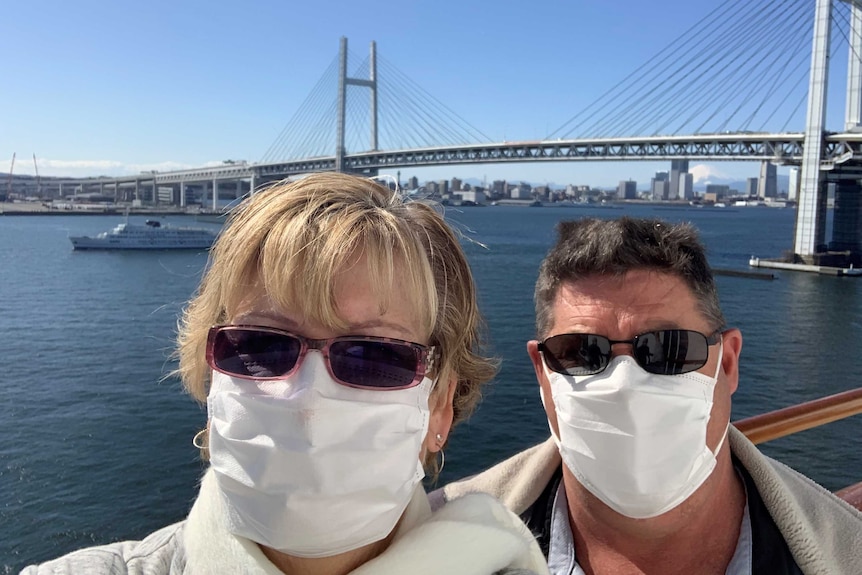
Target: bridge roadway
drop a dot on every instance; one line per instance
(839, 148)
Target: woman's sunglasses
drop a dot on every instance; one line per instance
(665, 352)
(263, 353)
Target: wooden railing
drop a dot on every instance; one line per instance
(789, 420)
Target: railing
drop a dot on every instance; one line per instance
(789, 420)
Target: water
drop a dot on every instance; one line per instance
(95, 437)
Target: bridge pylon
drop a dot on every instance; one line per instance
(809, 241)
(343, 82)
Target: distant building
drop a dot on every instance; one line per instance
(751, 185)
(678, 169)
(720, 191)
(627, 190)
(413, 183)
(456, 185)
(768, 184)
(793, 188)
(686, 186)
(443, 187)
(521, 193)
(660, 186)
(542, 192)
(477, 197)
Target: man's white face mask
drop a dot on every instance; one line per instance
(635, 440)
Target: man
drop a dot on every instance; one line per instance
(644, 473)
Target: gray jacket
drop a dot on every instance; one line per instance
(474, 535)
(823, 532)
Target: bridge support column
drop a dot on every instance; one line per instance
(182, 194)
(343, 82)
(847, 218)
(342, 101)
(215, 195)
(853, 117)
(811, 214)
(251, 185)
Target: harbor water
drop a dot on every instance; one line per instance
(95, 434)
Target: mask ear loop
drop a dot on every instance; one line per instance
(715, 377)
(439, 439)
(200, 439)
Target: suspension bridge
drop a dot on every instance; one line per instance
(733, 87)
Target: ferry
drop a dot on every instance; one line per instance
(150, 236)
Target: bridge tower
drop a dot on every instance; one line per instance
(810, 232)
(343, 82)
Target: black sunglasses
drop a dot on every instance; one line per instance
(665, 352)
(262, 353)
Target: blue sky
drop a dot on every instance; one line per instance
(102, 87)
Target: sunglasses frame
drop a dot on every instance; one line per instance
(710, 339)
(424, 354)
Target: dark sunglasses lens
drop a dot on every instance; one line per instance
(671, 351)
(373, 364)
(577, 353)
(255, 353)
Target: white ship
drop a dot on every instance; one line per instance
(151, 236)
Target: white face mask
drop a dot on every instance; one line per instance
(313, 468)
(635, 440)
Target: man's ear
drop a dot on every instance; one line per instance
(730, 350)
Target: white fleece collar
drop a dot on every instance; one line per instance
(473, 535)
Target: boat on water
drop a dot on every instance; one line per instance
(150, 236)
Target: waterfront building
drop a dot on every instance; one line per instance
(719, 191)
(751, 185)
(767, 186)
(476, 196)
(443, 187)
(686, 186)
(627, 190)
(678, 169)
(456, 185)
(542, 192)
(413, 183)
(660, 186)
(521, 192)
(793, 186)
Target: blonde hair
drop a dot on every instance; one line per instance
(291, 239)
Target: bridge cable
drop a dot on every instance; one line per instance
(702, 66)
(604, 100)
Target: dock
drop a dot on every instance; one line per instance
(822, 270)
(743, 274)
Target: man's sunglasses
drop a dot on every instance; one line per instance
(264, 353)
(665, 352)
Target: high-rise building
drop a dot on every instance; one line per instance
(767, 187)
(686, 186)
(413, 183)
(627, 190)
(443, 187)
(456, 185)
(793, 187)
(751, 185)
(677, 169)
(660, 186)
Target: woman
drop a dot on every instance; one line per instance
(334, 339)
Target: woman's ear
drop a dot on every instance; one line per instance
(442, 414)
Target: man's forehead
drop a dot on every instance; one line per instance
(642, 298)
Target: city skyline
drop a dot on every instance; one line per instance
(105, 89)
